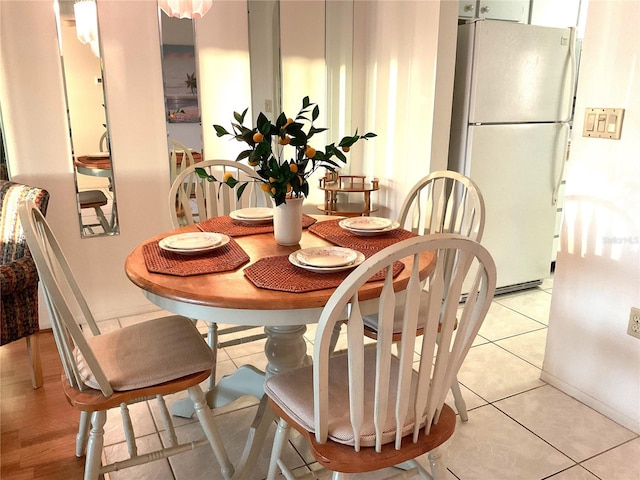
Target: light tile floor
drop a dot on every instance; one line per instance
(519, 427)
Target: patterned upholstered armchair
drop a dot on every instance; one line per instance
(18, 274)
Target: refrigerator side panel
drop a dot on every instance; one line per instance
(461, 88)
(516, 167)
(521, 73)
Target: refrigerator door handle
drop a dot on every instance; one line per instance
(572, 72)
(572, 77)
(563, 163)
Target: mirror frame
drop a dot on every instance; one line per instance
(98, 165)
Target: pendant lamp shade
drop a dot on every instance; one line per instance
(86, 17)
(86, 21)
(185, 8)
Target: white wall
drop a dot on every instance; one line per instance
(597, 279)
(404, 62)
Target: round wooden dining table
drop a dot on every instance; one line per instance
(230, 297)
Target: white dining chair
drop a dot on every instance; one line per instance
(193, 199)
(369, 409)
(178, 149)
(442, 202)
(94, 200)
(103, 143)
(104, 371)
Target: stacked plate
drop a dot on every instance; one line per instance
(193, 243)
(368, 226)
(99, 155)
(252, 215)
(326, 259)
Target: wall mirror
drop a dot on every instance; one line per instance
(180, 82)
(90, 142)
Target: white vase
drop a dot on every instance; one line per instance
(287, 221)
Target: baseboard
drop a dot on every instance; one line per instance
(597, 405)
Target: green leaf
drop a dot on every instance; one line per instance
(315, 114)
(369, 135)
(314, 130)
(220, 130)
(232, 182)
(244, 154)
(263, 124)
(202, 173)
(305, 102)
(240, 116)
(330, 162)
(348, 141)
(298, 141)
(240, 190)
(263, 149)
(281, 120)
(341, 156)
(246, 137)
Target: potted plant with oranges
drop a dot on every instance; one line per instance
(284, 175)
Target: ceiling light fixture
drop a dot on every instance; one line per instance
(185, 8)
(86, 17)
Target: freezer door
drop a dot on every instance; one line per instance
(520, 73)
(516, 168)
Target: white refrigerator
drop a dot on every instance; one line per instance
(513, 96)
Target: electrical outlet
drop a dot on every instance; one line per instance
(634, 323)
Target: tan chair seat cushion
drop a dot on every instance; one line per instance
(371, 321)
(293, 393)
(147, 354)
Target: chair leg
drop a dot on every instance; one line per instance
(104, 223)
(83, 433)
(94, 446)
(279, 442)
(438, 468)
(205, 416)
(458, 399)
(35, 364)
(212, 340)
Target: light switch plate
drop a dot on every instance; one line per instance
(603, 123)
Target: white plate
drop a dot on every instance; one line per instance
(369, 233)
(367, 223)
(294, 260)
(252, 215)
(99, 155)
(197, 251)
(326, 257)
(191, 241)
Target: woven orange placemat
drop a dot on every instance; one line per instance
(223, 259)
(332, 232)
(277, 273)
(229, 226)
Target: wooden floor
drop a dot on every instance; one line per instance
(38, 426)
